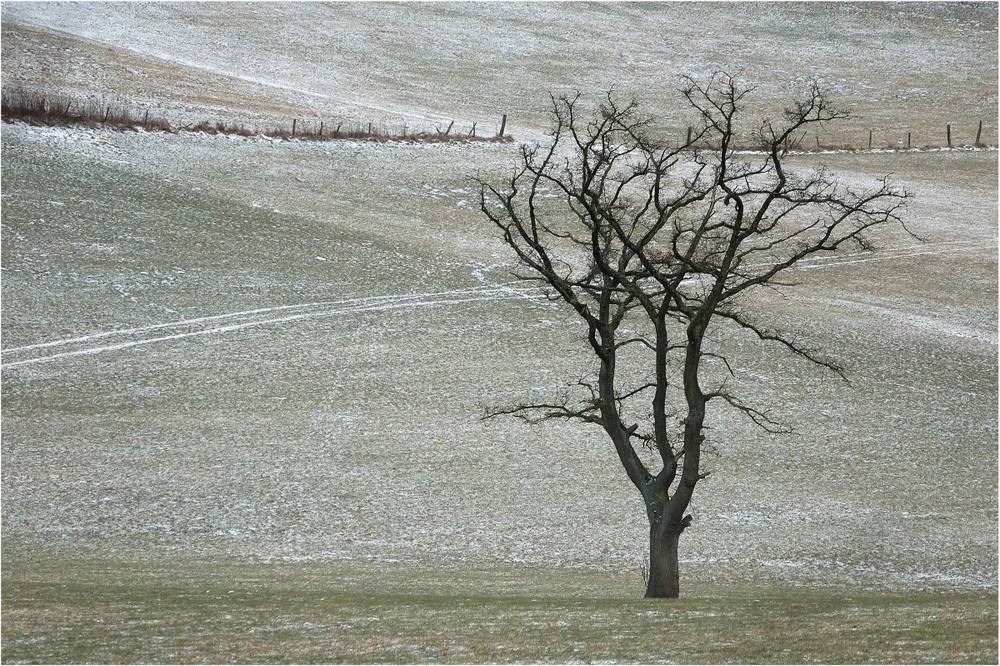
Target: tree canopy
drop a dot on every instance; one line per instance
(650, 243)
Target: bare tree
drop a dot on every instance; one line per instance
(648, 245)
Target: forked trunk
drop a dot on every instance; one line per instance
(664, 570)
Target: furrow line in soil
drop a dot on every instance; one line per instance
(312, 311)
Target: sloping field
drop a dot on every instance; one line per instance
(220, 347)
(903, 67)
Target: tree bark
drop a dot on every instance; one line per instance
(664, 568)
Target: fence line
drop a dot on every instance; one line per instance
(872, 142)
(64, 111)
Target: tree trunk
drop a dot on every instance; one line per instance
(664, 570)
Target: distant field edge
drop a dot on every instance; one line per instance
(39, 110)
(229, 610)
(63, 111)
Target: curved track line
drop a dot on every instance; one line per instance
(887, 255)
(923, 322)
(371, 304)
(388, 302)
(153, 327)
(230, 315)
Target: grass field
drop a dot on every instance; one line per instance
(233, 611)
(243, 378)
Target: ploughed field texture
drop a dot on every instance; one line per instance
(905, 67)
(220, 347)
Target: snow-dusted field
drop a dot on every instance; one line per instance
(902, 67)
(282, 350)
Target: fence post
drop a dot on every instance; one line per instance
(689, 137)
(908, 139)
(979, 133)
(321, 128)
(293, 127)
(503, 124)
(949, 135)
(870, 139)
(369, 129)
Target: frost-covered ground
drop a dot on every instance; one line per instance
(281, 350)
(901, 67)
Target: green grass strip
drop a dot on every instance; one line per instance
(180, 611)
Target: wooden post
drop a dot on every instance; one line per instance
(293, 127)
(979, 133)
(321, 128)
(949, 135)
(870, 139)
(106, 112)
(369, 129)
(908, 134)
(503, 124)
(689, 137)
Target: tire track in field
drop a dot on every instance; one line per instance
(889, 254)
(117, 340)
(925, 323)
(121, 339)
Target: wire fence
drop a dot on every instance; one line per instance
(59, 110)
(63, 110)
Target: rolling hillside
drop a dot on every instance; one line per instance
(278, 350)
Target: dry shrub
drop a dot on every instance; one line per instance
(59, 110)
